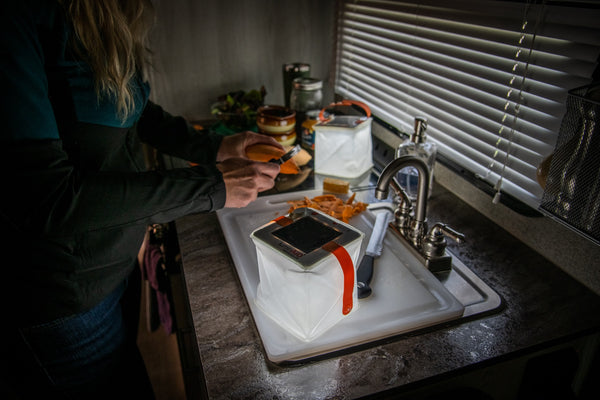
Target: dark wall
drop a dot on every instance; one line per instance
(204, 48)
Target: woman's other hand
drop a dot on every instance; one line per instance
(244, 179)
(234, 146)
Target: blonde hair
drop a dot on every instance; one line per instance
(111, 37)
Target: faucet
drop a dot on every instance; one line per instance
(418, 223)
(412, 227)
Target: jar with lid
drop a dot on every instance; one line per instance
(307, 95)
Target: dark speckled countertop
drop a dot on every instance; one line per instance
(543, 307)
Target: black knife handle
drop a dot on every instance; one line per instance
(364, 274)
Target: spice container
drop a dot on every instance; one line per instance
(307, 130)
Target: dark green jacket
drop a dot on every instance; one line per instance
(77, 197)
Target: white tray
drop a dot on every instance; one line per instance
(406, 296)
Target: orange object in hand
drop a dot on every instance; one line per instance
(265, 153)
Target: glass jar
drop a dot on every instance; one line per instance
(307, 95)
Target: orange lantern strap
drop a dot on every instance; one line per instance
(283, 220)
(345, 102)
(347, 269)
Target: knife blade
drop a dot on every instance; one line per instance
(293, 151)
(364, 274)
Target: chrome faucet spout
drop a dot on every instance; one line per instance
(430, 247)
(390, 171)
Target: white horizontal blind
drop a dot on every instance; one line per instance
(488, 84)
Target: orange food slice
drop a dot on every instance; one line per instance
(265, 153)
(331, 205)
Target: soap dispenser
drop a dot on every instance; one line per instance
(417, 145)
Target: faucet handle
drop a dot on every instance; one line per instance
(434, 244)
(448, 231)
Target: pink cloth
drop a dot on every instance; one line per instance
(154, 273)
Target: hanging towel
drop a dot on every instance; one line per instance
(154, 273)
(148, 294)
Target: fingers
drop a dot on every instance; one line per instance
(258, 138)
(235, 145)
(244, 179)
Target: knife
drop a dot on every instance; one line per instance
(293, 151)
(374, 248)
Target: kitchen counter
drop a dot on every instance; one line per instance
(543, 309)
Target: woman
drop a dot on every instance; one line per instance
(74, 110)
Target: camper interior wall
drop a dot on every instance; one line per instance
(203, 49)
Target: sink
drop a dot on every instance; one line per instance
(473, 293)
(406, 296)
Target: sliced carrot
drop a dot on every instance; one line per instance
(331, 205)
(351, 199)
(324, 197)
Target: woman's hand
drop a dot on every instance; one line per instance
(244, 179)
(234, 146)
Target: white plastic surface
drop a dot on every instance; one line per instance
(406, 296)
(343, 151)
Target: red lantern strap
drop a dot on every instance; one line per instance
(345, 262)
(347, 269)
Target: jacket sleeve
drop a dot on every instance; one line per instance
(46, 195)
(176, 137)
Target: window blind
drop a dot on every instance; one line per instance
(491, 77)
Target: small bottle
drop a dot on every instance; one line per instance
(307, 131)
(417, 145)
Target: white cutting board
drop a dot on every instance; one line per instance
(406, 296)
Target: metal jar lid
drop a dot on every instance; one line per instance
(307, 83)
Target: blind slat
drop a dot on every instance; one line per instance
(461, 65)
(487, 92)
(476, 50)
(487, 116)
(450, 128)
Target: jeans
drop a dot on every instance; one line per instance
(85, 356)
